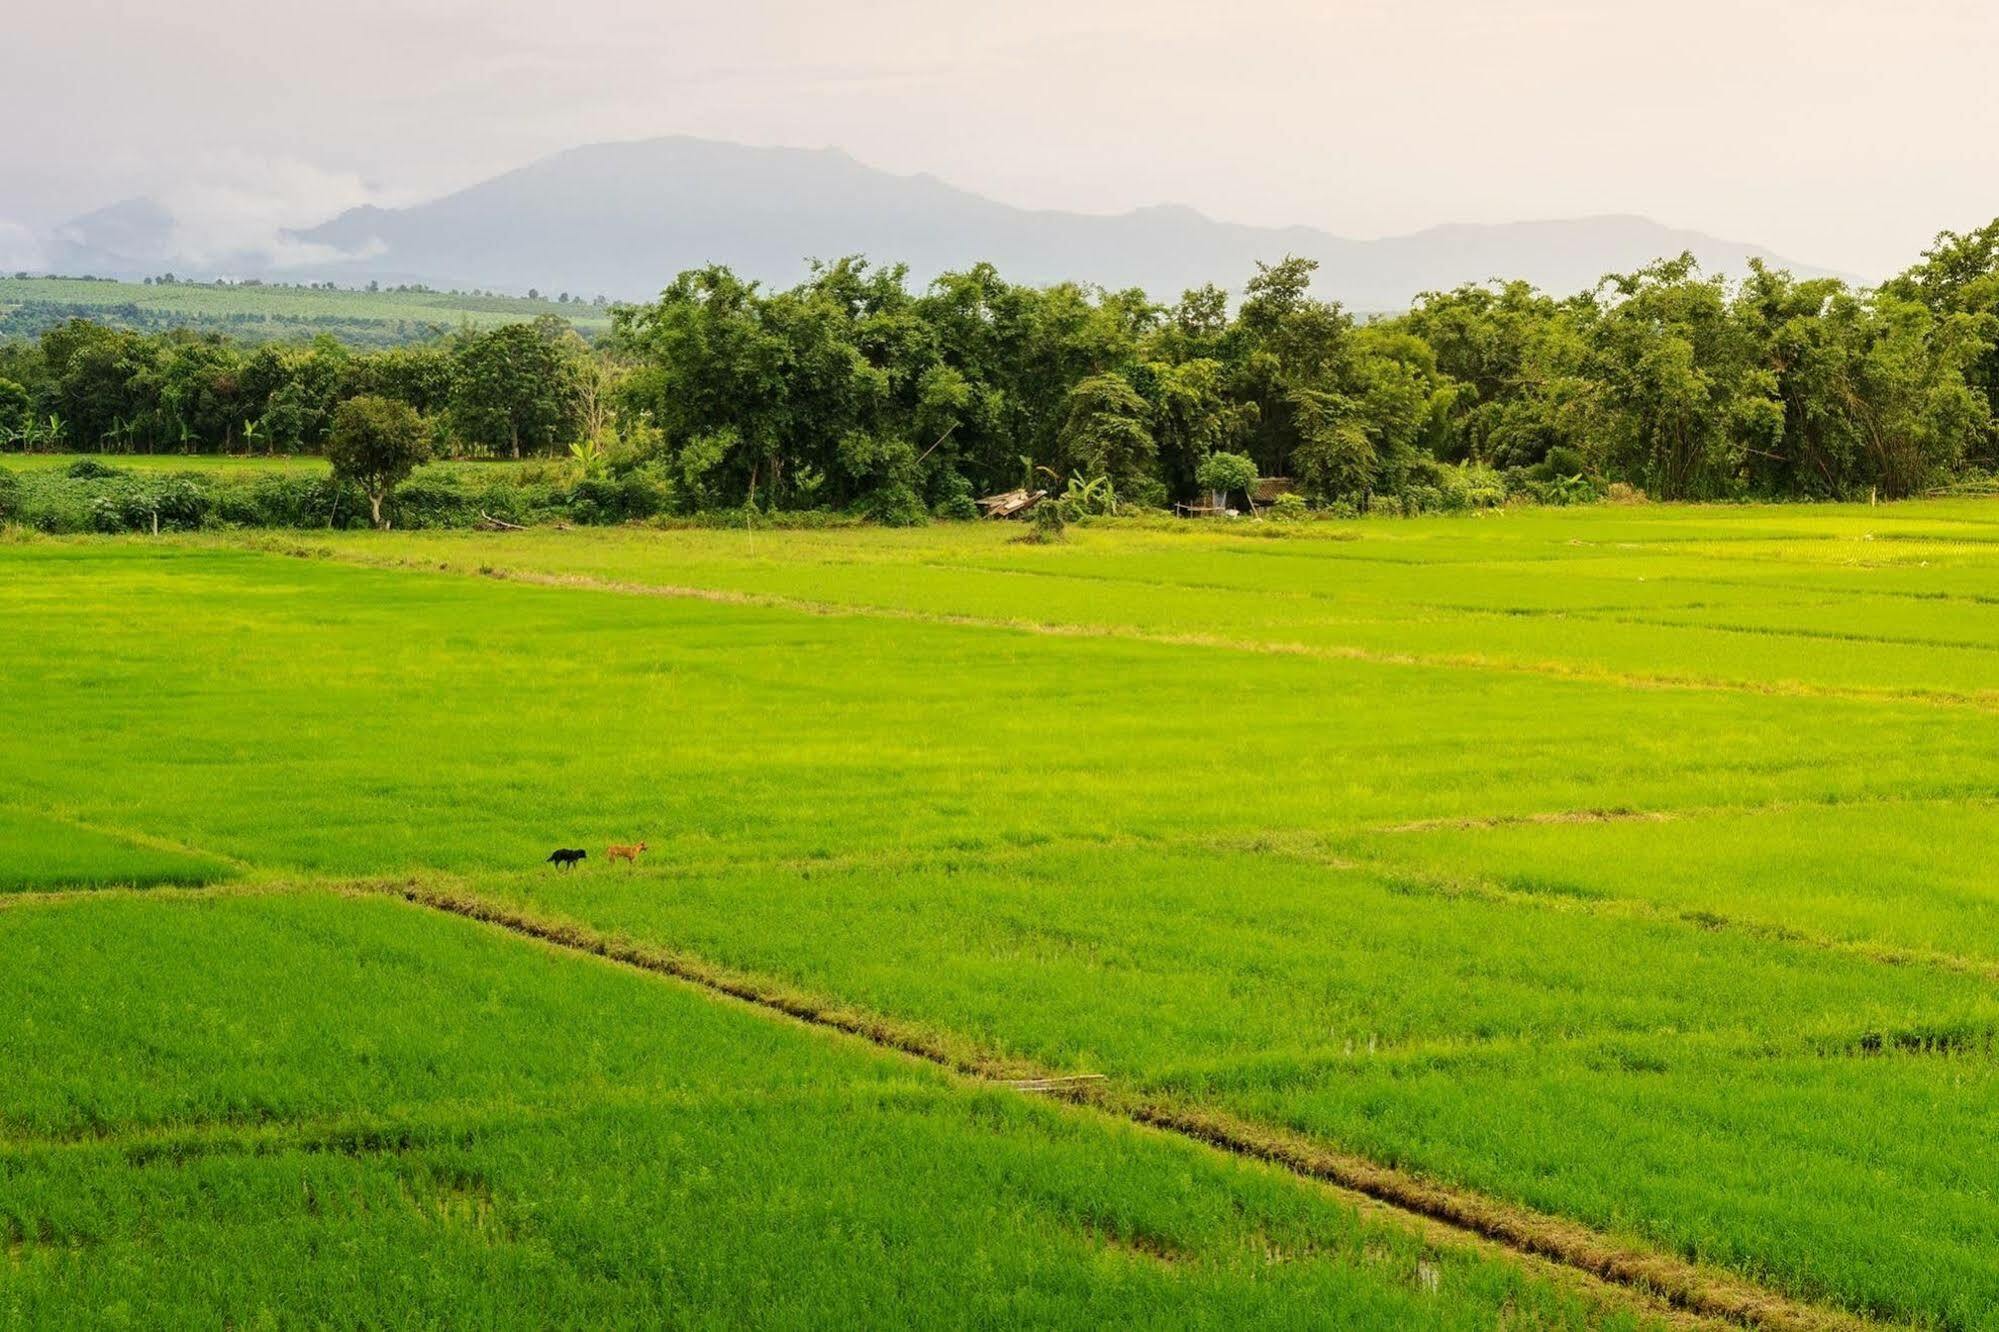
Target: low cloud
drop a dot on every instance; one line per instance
(237, 208)
(19, 249)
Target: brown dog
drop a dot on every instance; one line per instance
(630, 853)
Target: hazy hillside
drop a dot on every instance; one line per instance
(622, 218)
(29, 306)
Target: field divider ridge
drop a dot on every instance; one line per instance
(1656, 1279)
(1486, 888)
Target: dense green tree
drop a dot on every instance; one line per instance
(1515, 358)
(514, 388)
(15, 405)
(1191, 415)
(1221, 474)
(1959, 275)
(1106, 433)
(202, 392)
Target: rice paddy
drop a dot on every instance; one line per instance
(1623, 870)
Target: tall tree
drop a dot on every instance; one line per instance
(514, 388)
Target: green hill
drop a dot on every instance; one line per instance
(264, 312)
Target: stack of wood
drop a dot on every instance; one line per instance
(1012, 503)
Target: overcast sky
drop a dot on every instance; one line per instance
(1838, 132)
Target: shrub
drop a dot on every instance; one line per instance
(52, 503)
(1048, 525)
(433, 501)
(1415, 500)
(1288, 508)
(90, 469)
(1576, 489)
(895, 504)
(1480, 486)
(1145, 492)
(955, 498)
(622, 499)
(1564, 460)
(10, 496)
(178, 503)
(282, 500)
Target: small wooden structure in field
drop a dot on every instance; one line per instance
(1268, 488)
(1260, 496)
(1012, 503)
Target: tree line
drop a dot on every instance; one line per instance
(851, 391)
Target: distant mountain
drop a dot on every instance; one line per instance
(623, 218)
(133, 237)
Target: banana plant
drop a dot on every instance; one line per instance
(1096, 495)
(589, 455)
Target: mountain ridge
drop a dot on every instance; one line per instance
(622, 218)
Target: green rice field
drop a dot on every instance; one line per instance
(1625, 872)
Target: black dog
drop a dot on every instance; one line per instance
(566, 857)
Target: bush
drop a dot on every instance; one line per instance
(10, 496)
(1563, 460)
(622, 499)
(90, 469)
(955, 499)
(1288, 508)
(50, 502)
(1413, 500)
(1480, 487)
(433, 501)
(1143, 492)
(895, 504)
(289, 501)
(780, 520)
(1048, 525)
(1576, 489)
(178, 503)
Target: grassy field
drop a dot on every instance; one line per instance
(29, 305)
(1626, 867)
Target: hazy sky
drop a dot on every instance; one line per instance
(1839, 132)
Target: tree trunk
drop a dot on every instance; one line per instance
(517, 441)
(375, 504)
